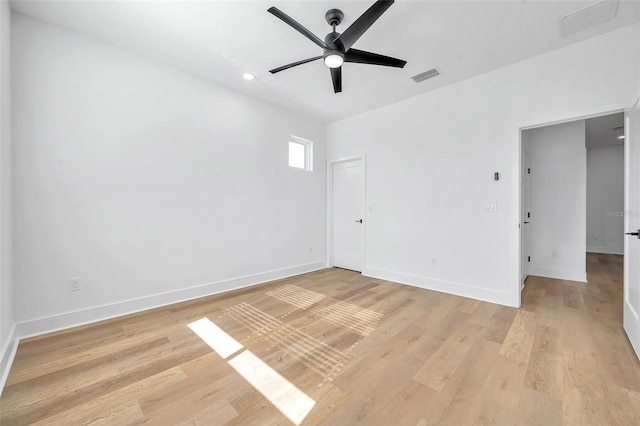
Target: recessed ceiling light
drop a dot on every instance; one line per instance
(248, 76)
(621, 137)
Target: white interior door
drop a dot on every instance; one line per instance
(631, 312)
(348, 214)
(525, 227)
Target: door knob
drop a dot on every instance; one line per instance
(637, 234)
(359, 221)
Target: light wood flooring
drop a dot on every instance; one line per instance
(365, 351)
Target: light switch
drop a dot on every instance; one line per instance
(490, 206)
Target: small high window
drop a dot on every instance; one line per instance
(300, 153)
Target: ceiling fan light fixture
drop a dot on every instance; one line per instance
(334, 59)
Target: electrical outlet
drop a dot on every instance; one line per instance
(74, 284)
(434, 261)
(554, 253)
(310, 249)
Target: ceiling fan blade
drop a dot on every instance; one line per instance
(297, 26)
(336, 78)
(294, 64)
(362, 24)
(362, 57)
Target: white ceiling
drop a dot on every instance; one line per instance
(221, 40)
(604, 130)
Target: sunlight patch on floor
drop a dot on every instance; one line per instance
(317, 355)
(360, 320)
(215, 337)
(284, 395)
(290, 400)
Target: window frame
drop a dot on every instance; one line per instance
(308, 152)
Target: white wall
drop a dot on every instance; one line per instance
(558, 200)
(605, 199)
(431, 159)
(147, 183)
(6, 298)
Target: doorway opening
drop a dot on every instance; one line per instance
(572, 195)
(625, 280)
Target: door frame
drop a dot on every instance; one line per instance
(629, 315)
(330, 172)
(526, 186)
(516, 206)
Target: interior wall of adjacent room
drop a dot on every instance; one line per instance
(6, 293)
(558, 200)
(605, 199)
(431, 161)
(140, 180)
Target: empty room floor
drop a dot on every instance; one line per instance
(333, 347)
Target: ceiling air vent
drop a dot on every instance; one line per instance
(587, 17)
(426, 75)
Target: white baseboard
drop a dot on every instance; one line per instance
(631, 327)
(99, 313)
(558, 274)
(604, 250)
(7, 356)
(459, 289)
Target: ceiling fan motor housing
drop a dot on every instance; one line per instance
(333, 42)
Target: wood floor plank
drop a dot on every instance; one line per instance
(623, 405)
(409, 401)
(159, 398)
(577, 331)
(59, 402)
(201, 405)
(583, 396)
(385, 359)
(533, 297)
(455, 320)
(115, 407)
(545, 366)
(539, 409)
(451, 404)
(551, 314)
(440, 366)
(573, 298)
(498, 401)
(500, 324)
(483, 314)
(38, 390)
(517, 344)
(328, 397)
(380, 373)
(109, 414)
(439, 311)
(614, 362)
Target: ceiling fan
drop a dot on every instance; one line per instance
(336, 46)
